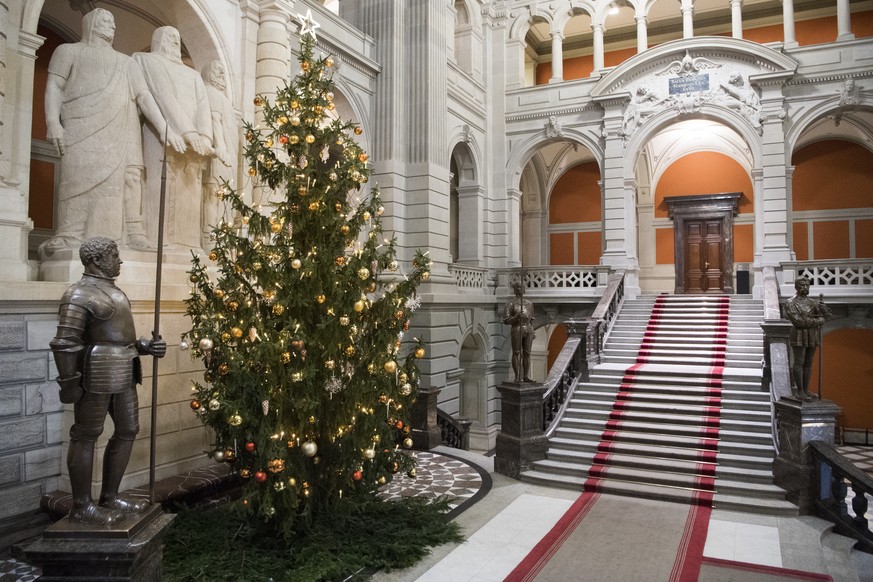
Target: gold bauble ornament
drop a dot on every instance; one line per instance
(214, 404)
(313, 206)
(268, 143)
(358, 130)
(340, 261)
(236, 332)
(257, 266)
(411, 473)
(398, 314)
(195, 404)
(278, 309)
(390, 366)
(350, 351)
(282, 120)
(407, 442)
(276, 465)
(358, 306)
(309, 138)
(295, 121)
(363, 157)
(285, 358)
(258, 101)
(345, 229)
(344, 320)
(338, 207)
(296, 263)
(293, 139)
(382, 480)
(295, 104)
(276, 227)
(234, 420)
(366, 216)
(223, 369)
(233, 305)
(302, 190)
(328, 62)
(213, 256)
(297, 377)
(219, 293)
(405, 389)
(229, 455)
(253, 171)
(304, 65)
(245, 473)
(320, 298)
(363, 273)
(419, 352)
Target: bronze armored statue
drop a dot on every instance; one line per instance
(518, 313)
(97, 355)
(807, 315)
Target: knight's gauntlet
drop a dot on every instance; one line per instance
(71, 388)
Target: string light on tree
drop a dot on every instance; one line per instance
(293, 318)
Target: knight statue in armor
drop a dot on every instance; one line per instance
(98, 359)
(518, 313)
(807, 315)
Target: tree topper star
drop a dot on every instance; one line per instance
(307, 24)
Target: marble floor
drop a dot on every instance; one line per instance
(503, 519)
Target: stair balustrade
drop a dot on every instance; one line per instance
(454, 432)
(834, 471)
(776, 369)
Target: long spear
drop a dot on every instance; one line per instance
(156, 335)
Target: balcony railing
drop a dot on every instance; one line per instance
(844, 277)
(578, 281)
(472, 278)
(835, 473)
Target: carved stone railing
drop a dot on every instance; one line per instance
(472, 278)
(843, 277)
(562, 380)
(834, 471)
(587, 281)
(454, 432)
(776, 375)
(581, 351)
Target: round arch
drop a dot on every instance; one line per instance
(794, 137)
(526, 149)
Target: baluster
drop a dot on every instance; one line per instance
(838, 492)
(859, 506)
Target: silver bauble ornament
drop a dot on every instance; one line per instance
(309, 448)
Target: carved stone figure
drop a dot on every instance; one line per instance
(553, 127)
(736, 95)
(807, 315)
(181, 96)
(518, 313)
(92, 102)
(849, 93)
(97, 356)
(225, 140)
(645, 103)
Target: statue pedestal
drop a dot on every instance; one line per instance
(132, 550)
(521, 440)
(799, 423)
(423, 418)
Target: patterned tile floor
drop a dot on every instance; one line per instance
(436, 475)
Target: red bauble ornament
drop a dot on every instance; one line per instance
(399, 424)
(260, 476)
(357, 475)
(250, 447)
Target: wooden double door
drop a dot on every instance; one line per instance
(704, 256)
(704, 249)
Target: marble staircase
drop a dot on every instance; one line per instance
(675, 411)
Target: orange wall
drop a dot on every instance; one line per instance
(561, 248)
(576, 196)
(590, 248)
(864, 239)
(703, 173)
(664, 243)
(832, 174)
(744, 249)
(556, 342)
(847, 376)
(42, 186)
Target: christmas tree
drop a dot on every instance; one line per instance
(299, 313)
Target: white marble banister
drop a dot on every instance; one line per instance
(834, 278)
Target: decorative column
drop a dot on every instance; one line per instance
(521, 440)
(789, 41)
(597, 30)
(557, 57)
(471, 201)
(642, 33)
(274, 65)
(737, 18)
(844, 24)
(16, 112)
(513, 221)
(798, 424)
(687, 9)
(774, 203)
(515, 63)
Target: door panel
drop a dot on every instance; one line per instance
(704, 248)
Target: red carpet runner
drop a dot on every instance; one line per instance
(689, 555)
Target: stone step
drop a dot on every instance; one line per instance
(728, 401)
(752, 432)
(618, 346)
(683, 385)
(650, 373)
(584, 439)
(583, 451)
(657, 412)
(688, 360)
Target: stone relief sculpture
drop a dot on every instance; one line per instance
(181, 95)
(93, 98)
(849, 93)
(97, 355)
(225, 141)
(739, 96)
(553, 127)
(644, 104)
(807, 316)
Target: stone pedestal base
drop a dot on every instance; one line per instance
(423, 417)
(801, 422)
(521, 440)
(131, 551)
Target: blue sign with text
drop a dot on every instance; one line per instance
(689, 84)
